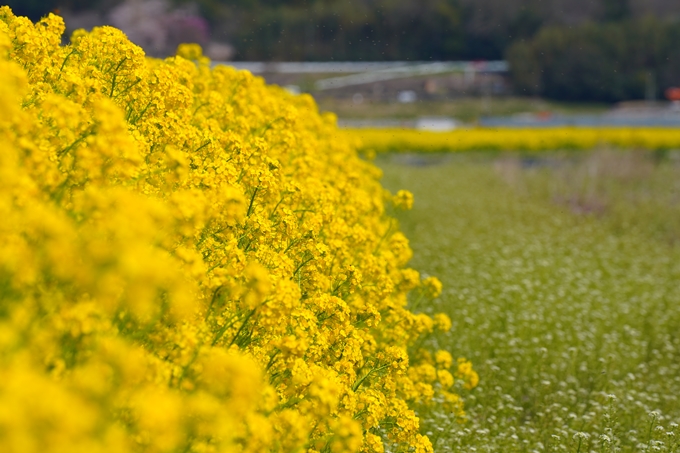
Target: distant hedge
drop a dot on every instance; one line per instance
(608, 63)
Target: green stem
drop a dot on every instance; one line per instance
(358, 383)
(252, 201)
(243, 326)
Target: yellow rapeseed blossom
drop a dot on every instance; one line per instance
(191, 260)
(519, 139)
(467, 374)
(403, 200)
(443, 359)
(442, 322)
(433, 287)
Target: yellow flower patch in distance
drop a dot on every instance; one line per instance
(514, 139)
(191, 260)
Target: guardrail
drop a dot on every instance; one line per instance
(360, 72)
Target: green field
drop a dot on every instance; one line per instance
(562, 277)
(468, 109)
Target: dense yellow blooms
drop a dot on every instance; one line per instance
(537, 139)
(467, 374)
(403, 200)
(193, 261)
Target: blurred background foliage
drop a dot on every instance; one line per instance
(340, 30)
(577, 50)
(600, 62)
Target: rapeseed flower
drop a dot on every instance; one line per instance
(192, 260)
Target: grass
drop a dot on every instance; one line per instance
(468, 109)
(562, 278)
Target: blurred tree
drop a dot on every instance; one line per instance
(614, 10)
(525, 24)
(338, 29)
(35, 9)
(526, 31)
(611, 62)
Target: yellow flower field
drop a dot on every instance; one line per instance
(193, 261)
(543, 139)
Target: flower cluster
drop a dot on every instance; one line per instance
(536, 139)
(193, 261)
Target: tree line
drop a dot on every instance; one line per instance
(599, 50)
(633, 59)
